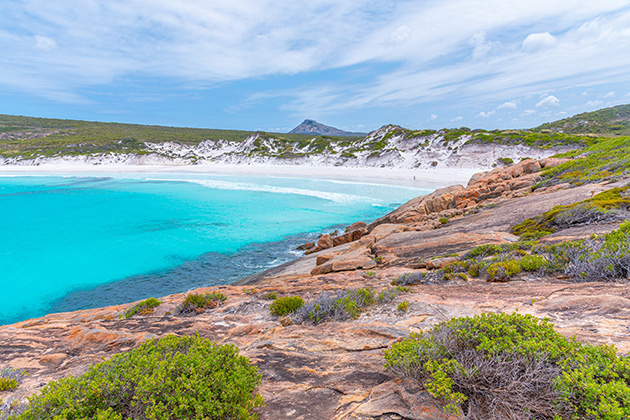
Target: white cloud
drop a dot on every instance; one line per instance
(433, 117)
(486, 114)
(539, 41)
(609, 95)
(200, 43)
(508, 105)
(44, 43)
(481, 46)
(528, 112)
(548, 101)
(593, 104)
(457, 119)
(399, 36)
(628, 94)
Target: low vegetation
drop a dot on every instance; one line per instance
(27, 138)
(144, 308)
(286, 305)
(10, 378)
(615, 120)
(270, 295)
(605, 160)
(167, 379)
(200, 302)
(345, 304)
(512, 366)
(599, 258)
(608, 206)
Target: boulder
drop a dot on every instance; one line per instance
(325, 242)
(305, 247)
(353, 260)
(356, 226)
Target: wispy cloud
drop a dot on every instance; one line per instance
(321, 57)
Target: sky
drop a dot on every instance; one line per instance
(353, 64)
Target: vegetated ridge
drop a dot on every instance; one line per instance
(313, 127)
(611, 121)
(27, 141)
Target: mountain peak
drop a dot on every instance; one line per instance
(313, 127)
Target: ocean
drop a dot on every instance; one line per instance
(77, 242)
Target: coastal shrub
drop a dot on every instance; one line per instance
(410, 278)
(606, 207)
(8, 384)
(482, 251)
(503, 270)
(606, 159)
(506, 161)
(271, 295)
(286, 305)
(443, 220)
(144, 307)
(10, 378)
(604, 257)
(403, 306)
(345, 304)
(513, 366)
(171, 378)
(199, 302)
(532, 263)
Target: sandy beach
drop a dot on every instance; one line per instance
(421, 178)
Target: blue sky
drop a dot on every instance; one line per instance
(357, 65)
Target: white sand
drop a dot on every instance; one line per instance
(421, 178)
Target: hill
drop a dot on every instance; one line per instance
(615, 121)
(28, 140)
(313, 127)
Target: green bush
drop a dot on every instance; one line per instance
(286, 305)
(403, 306)
(345, 304)
(512, 366)
(443, 220)
(532, 263)
(606, 207)
(8, 384)
(199, 302)
(144, 307)
(503, 270)
(168, 379)
(271, 295)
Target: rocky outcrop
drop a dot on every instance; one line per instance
(353, 232)
(441, 210)
(329, 371)
(335, 370)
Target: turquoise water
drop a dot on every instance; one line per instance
(76, 242)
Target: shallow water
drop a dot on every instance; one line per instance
(77, 242)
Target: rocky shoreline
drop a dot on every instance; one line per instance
(335, 370)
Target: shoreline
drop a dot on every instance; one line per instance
(420, 178)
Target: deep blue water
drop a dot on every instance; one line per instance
(77, 242)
